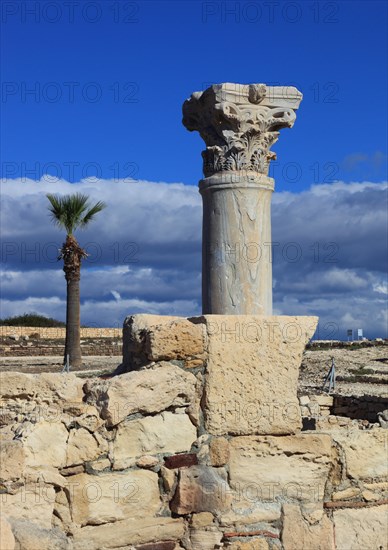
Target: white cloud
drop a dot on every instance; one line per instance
(381, 288)
(145, 252)
(115, 294)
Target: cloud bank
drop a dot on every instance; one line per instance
(329, 253)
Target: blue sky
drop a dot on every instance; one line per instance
(109, 80)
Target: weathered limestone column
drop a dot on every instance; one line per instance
(239, 123)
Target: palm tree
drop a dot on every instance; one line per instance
(71, 212)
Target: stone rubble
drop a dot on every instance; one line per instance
(146, 461)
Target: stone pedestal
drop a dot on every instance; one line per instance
(239, 124)
(249, 364)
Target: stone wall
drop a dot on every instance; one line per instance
(35, 341)
(343, 408)
(59, 332)
(197, 447)
(366, 406)
(44, 347)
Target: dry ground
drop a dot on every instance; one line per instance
(93, 365)
(359, 371)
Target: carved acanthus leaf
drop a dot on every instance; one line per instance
(239, 124)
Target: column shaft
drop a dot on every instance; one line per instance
(236, 244)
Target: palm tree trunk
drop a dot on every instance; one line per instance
(73, 320)
(72, 255)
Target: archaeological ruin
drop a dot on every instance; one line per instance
(203, 441)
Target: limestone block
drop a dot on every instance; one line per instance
(47, 475)
(379, 486)
(255, 543)
(200, 489)
(101, 464)
(361, 528)
(46, 445)
(246, 354)
(178, 339)
(30, 536)
(160, 545)
(112, 497)
(369, 496)
(219, 451)
(194, 410)
(205, 539)
(147, 461)
(11, 460)
(366, 452)
(147, 391)
(299, 533)
(7, 417)
(72, 470)
(46, 387)
(203, 519)
(16, 385)
(346, 494)
(169, 478)
(305, 411)
(61, 388)
(241, 514)
(304, 400)
(135, 329)
(7, 540)
(62, 516)
(33, 502)
(127, 532)
(275, 469)
(90, 418)
(163, 433)
(323, 400)
(82, 447)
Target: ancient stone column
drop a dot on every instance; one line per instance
(239, 124)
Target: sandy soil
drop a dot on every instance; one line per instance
(92, 365)
(360, 371)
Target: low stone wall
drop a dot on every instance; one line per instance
(59, 332)
(35, 348)
(342, 408)
(199, 448)
(365, 407)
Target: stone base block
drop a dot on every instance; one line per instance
(154, 338)
(252, 372)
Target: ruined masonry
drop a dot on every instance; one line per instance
(201, 442)
(198, 446)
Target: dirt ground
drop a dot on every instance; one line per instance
(92, 365)
(359, 372)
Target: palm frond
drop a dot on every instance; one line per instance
(89, 216)
(56, 209)
(72, 211)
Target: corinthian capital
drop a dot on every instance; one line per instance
(239, 124)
